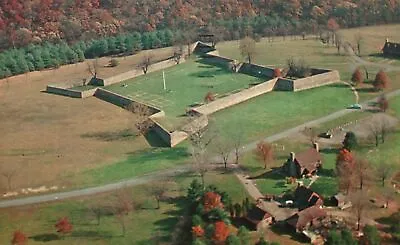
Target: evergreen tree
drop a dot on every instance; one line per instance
(22, 65)
(146, 40)
(347, 237)
(112, 46)
(11, 64)
(47, 61)
(168, 38)
(37, 60)
(233, 240)
(371, 235)
(244, 235)
(120, 44)
(334, 238)
(350, 141)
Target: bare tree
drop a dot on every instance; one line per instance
(158, 189)
(222, 148)
(100, 209)
(123, 206)
(143, 124)
(338, 42)
(345, 178)
(247, 48)
(146, 62)
(363, 173)
(237, 141)
(200, 138)
(359, 202)
(93, 68)
(388, 194)
(359, 40)
(311, 133)
(178, 52)
(9, 174)
(384, 171)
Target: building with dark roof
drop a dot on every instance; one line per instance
(259, 218)
(309, 217)
(305, 197)
(391, 49)
(305, 163)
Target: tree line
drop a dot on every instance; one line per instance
(52, 55)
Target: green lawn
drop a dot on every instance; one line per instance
(187, 83)
(276, 111)
(136, 164)
(142, 225)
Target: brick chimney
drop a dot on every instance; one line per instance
(316, 146)
(292, 156)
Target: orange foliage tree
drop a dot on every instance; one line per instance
(221, 232)
(357, 77)
(19, 238)
(197, 231)
(277, 72)
(209, 97)
(63, 226)
(212, 200)
(381, 81)
(345, 165)
(265, 153)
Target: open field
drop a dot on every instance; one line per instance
(141, 225)
(277, 111)
(187, 84)
(56, 137)
(70, 136)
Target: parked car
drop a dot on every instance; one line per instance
(325, 135)
(355, 106)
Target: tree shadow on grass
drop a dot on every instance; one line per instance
(366, 90)
(274, 174)
(125, 134)
(91, 234)
(338, 85)
(46, 237)
(177, 153)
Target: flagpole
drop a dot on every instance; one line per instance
(163, 76)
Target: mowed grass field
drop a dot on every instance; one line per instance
(142, 225)
(187, 84)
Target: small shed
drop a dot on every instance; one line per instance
(341, 201)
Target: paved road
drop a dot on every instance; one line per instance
(170, 172)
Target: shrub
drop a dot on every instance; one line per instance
(113, 63)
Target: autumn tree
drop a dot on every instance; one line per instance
(63, 226)
(142, 113)
(381, 81)
(277, 72)
(209, 97)
(247, 48)
(197, 231)
(264, 152)
(221, 233)
(345, 167)
(357, 77)
(212, 200)
(333, 27)
(19, 238)
(383, 103)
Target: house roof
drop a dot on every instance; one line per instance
(256, 215)
(340, 197)
(308, 158)
(391, 48)
(302, 218)
(305, 197)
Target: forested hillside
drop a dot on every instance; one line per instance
(27, 21)
(39, 34)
